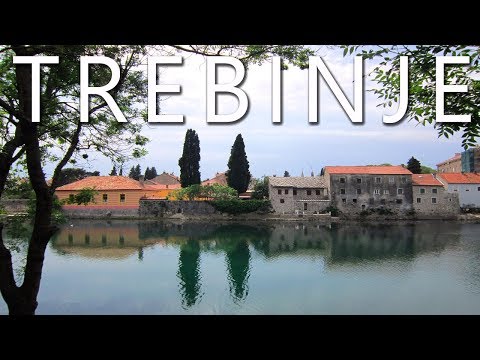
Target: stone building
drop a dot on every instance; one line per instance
(169, 180)
(466, 185)
(357, 188)
(454, 164)
(219, 178)
(430, 198)
(301, 195)
(471, 160)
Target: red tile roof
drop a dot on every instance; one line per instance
(103, 183)
(425, 180)
(371, 170)
(456, 157)
(220, 178)
(460, 178)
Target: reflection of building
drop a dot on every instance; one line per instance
(96, 240)
(430, 198)
(306, 195)
(466, 185)
(357, 188)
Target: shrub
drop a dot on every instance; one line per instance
(332, 210)
(213, 192)
(236, 206)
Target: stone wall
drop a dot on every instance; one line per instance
(445, 205)
(92, 212)
(13, 206)
(353, 193)
(286, 200)
(165, 208)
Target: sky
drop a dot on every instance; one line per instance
(295, 145)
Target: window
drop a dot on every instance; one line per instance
(87, 239)
(317, 192)
(391, 179)
(382, 201)
(376, 192)
(363, 207)
(478, 189)
(359, 191)
(294, 192)
(467, 189)
(286, 191)
(309, 192)
(122, 197)
(305, 206)
(279, 191)
(422, 191)
(105, 198)
(344, 201)
(400, 191)
(404, 180)
(282, 201)
(342, 191)
(419, 200)
(434, 190)
(434, 200)
(359, 180)
(454, 189)
(378, 180)
(386, 192)
(399, 201)
(71, 198)
(342, 180)
(354, 201)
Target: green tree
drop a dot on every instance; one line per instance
(70, 175)
(286, 174)
(60, 137)
(422, 84)
(260, 191)
(120, 173)
(114, 171)
(238, 174)
(414, 166)
(190, 161)
(427, 170)
(147, 174)
(153, 172)
(84, 197)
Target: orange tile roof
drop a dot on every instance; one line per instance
(461, 178)
(371, 170)
(103, 183)
(456, 157)
(161, 186)
(220, 178)
(425, 180)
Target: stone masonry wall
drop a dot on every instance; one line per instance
(163, 208)
(446, 204)
(92, 212)
(12, 206)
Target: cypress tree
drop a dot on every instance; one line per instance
(190, 161)
(114, 171)
(153, 172)
(414, 166)
(238, 174)
(131, 174)
(138, 172)
(147, 174)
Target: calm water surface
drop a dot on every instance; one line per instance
(191, 268)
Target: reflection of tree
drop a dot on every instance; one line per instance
(22, 300)
(189, 272)
(238, 263)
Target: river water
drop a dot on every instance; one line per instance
(127, 267)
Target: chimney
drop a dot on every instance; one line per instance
(141, 178)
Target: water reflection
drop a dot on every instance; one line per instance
(336, 246)
(189, 272)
